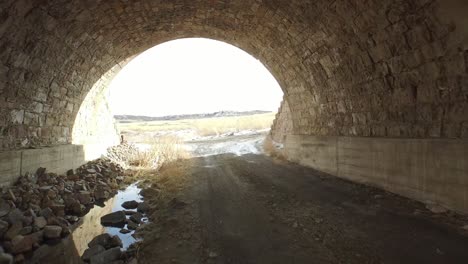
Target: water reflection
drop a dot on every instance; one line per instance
(132, 192)
(91, 222)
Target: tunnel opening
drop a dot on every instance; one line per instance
(189, 90)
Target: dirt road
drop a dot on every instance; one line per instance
(252, 209)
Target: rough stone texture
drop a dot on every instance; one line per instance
(282, 125)
(386, 68)
(95, 125)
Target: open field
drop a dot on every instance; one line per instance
(201, 127)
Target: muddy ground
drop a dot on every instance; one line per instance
(253, 209)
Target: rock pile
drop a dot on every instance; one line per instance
(105, 249)
(131, 218)
(122, 154)
(41, 207)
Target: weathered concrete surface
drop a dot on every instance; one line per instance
(57, 159)
(10, 166)
(428, 170)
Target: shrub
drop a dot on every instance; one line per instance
(163, 150)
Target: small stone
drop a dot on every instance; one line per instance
(52, 194)
(52, 231)
(84, 197)
(27, 220)
(106, 256)
(130, 204)
(21, 244)
(116, 219)
(45, 188)
(15, 216)
(58, 221)
(101, 194)
(132, 225)
(26, 230)
(70, 172)
(72, 218)
(40, 222)
(136, 217)
(115, 241)
(58, 209)
(47, 212)
(13, 230)
(124, 231)
(212, 254)
(465, 227)
(96, 249)
(143, 207)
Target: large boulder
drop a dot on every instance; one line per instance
(116, 219)
(130, 204)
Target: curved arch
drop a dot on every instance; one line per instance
(94, 126)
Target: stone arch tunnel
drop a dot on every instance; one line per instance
(375, 91)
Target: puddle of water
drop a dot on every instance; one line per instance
(91, 222)
(132, 192)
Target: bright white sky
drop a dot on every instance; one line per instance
(189, 76)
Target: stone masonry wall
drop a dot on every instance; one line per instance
(95, 126)
(282, 125)
(386, 68)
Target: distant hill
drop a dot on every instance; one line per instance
(135, 118)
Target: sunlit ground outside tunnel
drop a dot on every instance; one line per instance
(205, 96)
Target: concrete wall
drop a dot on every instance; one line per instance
(428, 170)
(57, 159)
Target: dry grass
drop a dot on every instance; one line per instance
(270, 149)
(160, 187)
(163, 150)
(205, 126)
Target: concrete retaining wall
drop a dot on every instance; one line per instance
(57, 159)
(428, 170)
